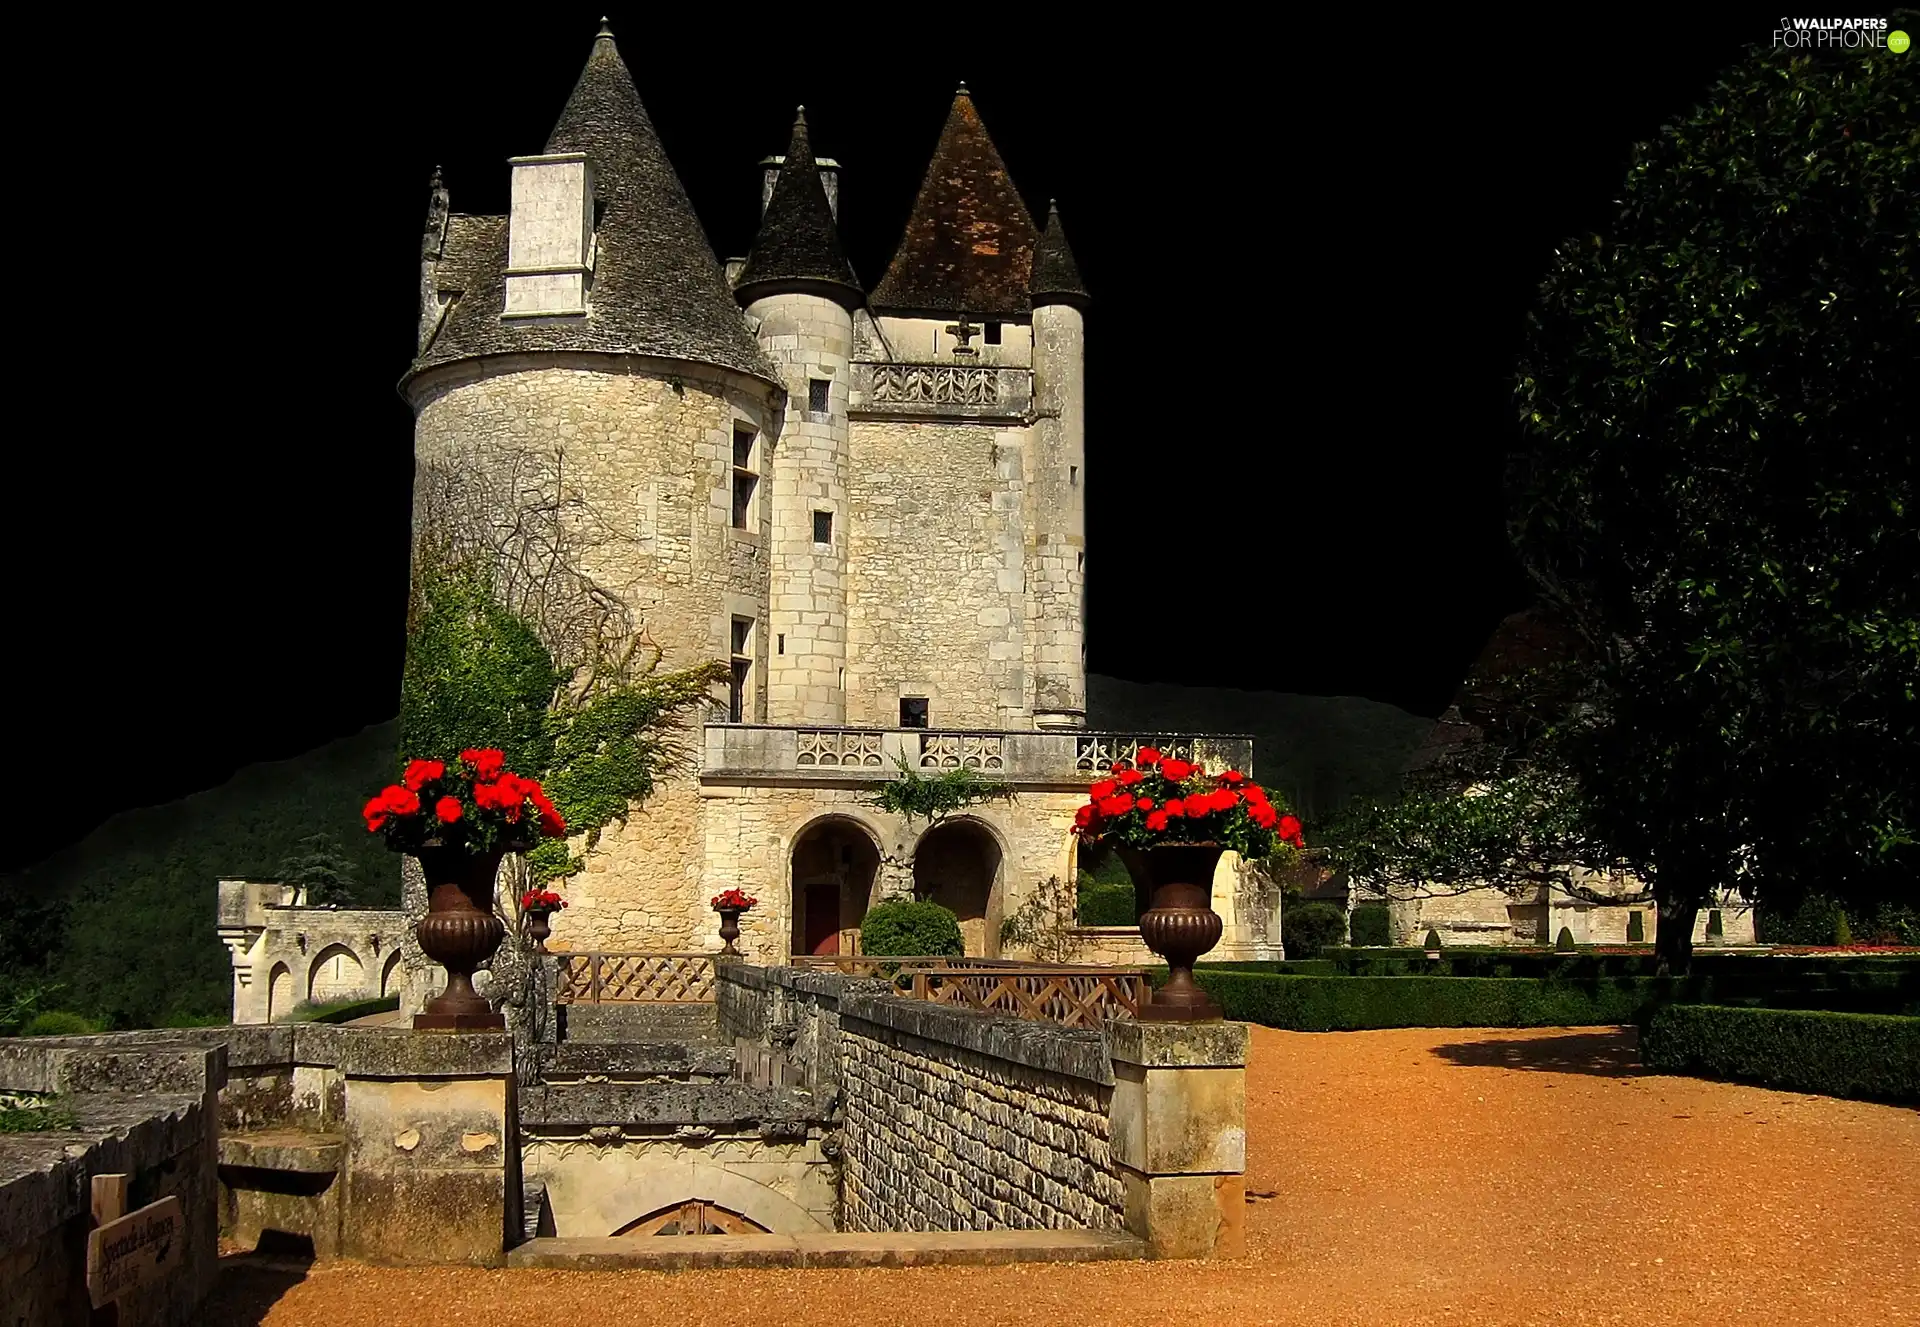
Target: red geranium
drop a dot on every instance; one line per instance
(477, 804)
(734, 898)
(541, 900)
(1161, 799)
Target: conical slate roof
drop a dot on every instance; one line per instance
(1056, 277)
(969, 242)
(798, 244)
(656, 287)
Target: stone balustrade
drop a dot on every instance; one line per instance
(1061, 758)
(945, 391)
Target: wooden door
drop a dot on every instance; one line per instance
(823, 917)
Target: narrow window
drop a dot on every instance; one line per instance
(780, 643)
(744, 479)
(819, 400)
(913, 711)
(737, 691)
(823, 527)
(1073, 474)
(993, 334)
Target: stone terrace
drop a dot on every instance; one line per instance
(1421, 1176)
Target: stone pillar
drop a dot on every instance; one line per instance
(432, 1152)
(1179, 1118)
(1056, 533)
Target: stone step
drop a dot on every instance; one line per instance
(638, 1062)
(723, 1107)
(603, 1023)
(676, 1253)
(299, 1151)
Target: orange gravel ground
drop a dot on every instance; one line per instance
(1426, 1176)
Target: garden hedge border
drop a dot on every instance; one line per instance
(1869, 1057)
(1358, 1004)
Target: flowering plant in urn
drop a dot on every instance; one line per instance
(1170, 821)
(730, 903)
(736, 899)
(458, 818)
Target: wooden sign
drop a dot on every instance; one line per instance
(127, 1252)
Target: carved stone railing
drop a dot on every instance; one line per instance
(959, 391)
(1062, 758)
(634, 978)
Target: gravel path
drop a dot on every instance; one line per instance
(1405, 1177)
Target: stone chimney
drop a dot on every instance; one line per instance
(549, 236)
(829, 180)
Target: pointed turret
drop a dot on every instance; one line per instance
(1056, 277)
(654, 286)
(969, 241)
(798, 247)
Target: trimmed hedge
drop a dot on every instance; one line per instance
(1308, 929)
(1355, 1004)
(915, 927)
(1873, 1057)
(343, 1011)
(1371, 925)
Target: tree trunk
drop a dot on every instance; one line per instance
(1673, 938)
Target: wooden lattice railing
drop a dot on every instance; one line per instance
(638, 978)
(1071, 996)
(881, 965)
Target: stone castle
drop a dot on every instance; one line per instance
(868, 499)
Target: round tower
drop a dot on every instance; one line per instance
(1057, 567)
(799, 290)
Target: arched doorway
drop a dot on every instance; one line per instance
(835, 865)
(336, 975)
(279, 992)
(957, 865)
(388, 975)
(695, 1216)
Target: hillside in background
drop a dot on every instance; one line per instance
(123, 920)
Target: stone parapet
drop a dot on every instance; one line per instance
(1064, 758)
(1179, 1121)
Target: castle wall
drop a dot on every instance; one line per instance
(937, 571)
(645, 452)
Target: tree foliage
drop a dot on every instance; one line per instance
(1718, 489)
(319, 864)
(932, 798)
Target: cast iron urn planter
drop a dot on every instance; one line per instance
(539, 927)
(1179, 923)
(730, 929)
(460, 933)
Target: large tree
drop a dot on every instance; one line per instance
(1717, 491)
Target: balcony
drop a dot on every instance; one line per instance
(939, 391)
(1064, 758)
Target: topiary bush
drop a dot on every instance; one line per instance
(1874, 1057)
(1842, 932)
(1308, 928)
(1564, 943)
(911, 928)
(59, 1023)
(1433, 939)
(1636, 928)
(1370, 925)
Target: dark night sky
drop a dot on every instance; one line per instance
(1310, 253)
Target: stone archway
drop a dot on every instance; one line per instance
(279, 992)
(389, 975)
(957, 864)
(695, 1216)
(337, 974)
(835, 870)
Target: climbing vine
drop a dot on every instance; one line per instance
(915, 796)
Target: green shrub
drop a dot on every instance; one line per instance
(1716, 924)
(342, 1011)
(1433, 939)
(1866, 1056)
(1352, 1004)
(59, 1023)
(1308, 928)
(33, 1112)
(1102, 903)
(1564, 943)
(1370, 925)
(1842, 933)
(911, 928)
(1636, 928)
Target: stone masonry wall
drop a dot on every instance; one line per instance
(958, 1121)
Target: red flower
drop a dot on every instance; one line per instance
(1085, 817)
(376, 815)
(422, 772)
(1148, 756)
(1289, 828)
(487, 762)
(1102, 790)
(1117, 805)
(1233, 777)
(1176, 807)
(734, 898)
(1144, 803)
(1119, 766)
(1253, 792)
(551, 822)
(1157, 821)
(448, 809)
(1177, 770)
(1263, 815)
(541, 898)
(398, 801)
(1129, 777)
